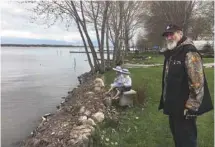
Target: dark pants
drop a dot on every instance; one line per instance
(184, 132)
(123, 89)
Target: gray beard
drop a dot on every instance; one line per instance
(171, 45)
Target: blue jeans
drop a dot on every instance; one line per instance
(184, 131)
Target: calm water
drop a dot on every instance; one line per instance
(33, 80)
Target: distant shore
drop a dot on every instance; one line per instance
(37, 45)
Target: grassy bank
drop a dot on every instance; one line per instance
(149, 127)
(155, 58)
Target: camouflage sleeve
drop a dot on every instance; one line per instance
(194, 69)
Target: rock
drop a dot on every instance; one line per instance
(70, 92)
(43, 118)
(60, 134)
(32, 133)
(63, 97)
(108, 101)
(58, 107)
(52, 133)
(65, 124)
(97, 89)
(85, 139)
(80, 135)
(98, 117)
(48, 114)
(90, 93)
(87, 113)
(82, 110)
(82, 129)
(82, 119)
(62, 102)
(35, 142)
(99, 82)
(90, 122)
(39, 143)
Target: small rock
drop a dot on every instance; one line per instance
(90, 93)
(98, 117)
(53, 133)
(74, 136)
(43, 118)
(72, 141)
(82, 110)
(97, 89)
(107, 101)
(63, 102)
(90, 122)
(32, 133)
(107, 139)
(60, 133)
(137, 117)
(48, 114)
(85, 139)
(66, 124)
(58, 107)
(82, 119)
(87, 113)
(63, 97)
(99, 82)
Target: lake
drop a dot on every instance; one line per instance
(33, 80)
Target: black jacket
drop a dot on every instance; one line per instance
(177, 91)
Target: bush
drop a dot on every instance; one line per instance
(207, 49)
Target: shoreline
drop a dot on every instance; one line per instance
(59, 123)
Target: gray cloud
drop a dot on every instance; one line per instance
(15, 22)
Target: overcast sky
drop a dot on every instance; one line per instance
(15, 22)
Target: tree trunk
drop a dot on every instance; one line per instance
(102, 35)
(83, 24)
(85, 46)
(95, 25)
(107, 47)
(117, 35)
(126, 39)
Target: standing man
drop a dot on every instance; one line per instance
(185, 93)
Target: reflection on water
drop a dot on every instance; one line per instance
(33, 82)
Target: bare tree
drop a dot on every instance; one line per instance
(115, 29)
(195, 17)
(131, 20)
(160, 13)
(83, 14)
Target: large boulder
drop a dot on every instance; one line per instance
(80, 135)
(98, 84)
(98, 117)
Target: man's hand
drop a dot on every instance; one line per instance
(189, 114)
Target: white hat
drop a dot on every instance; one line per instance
(118, 68)
(125, 71)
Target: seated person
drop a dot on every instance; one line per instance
(127, 83)
(118, 81)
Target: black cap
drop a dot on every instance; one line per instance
(171, 28)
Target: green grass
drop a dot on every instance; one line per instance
(208, 60)
(155, 58)
(152, 128)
